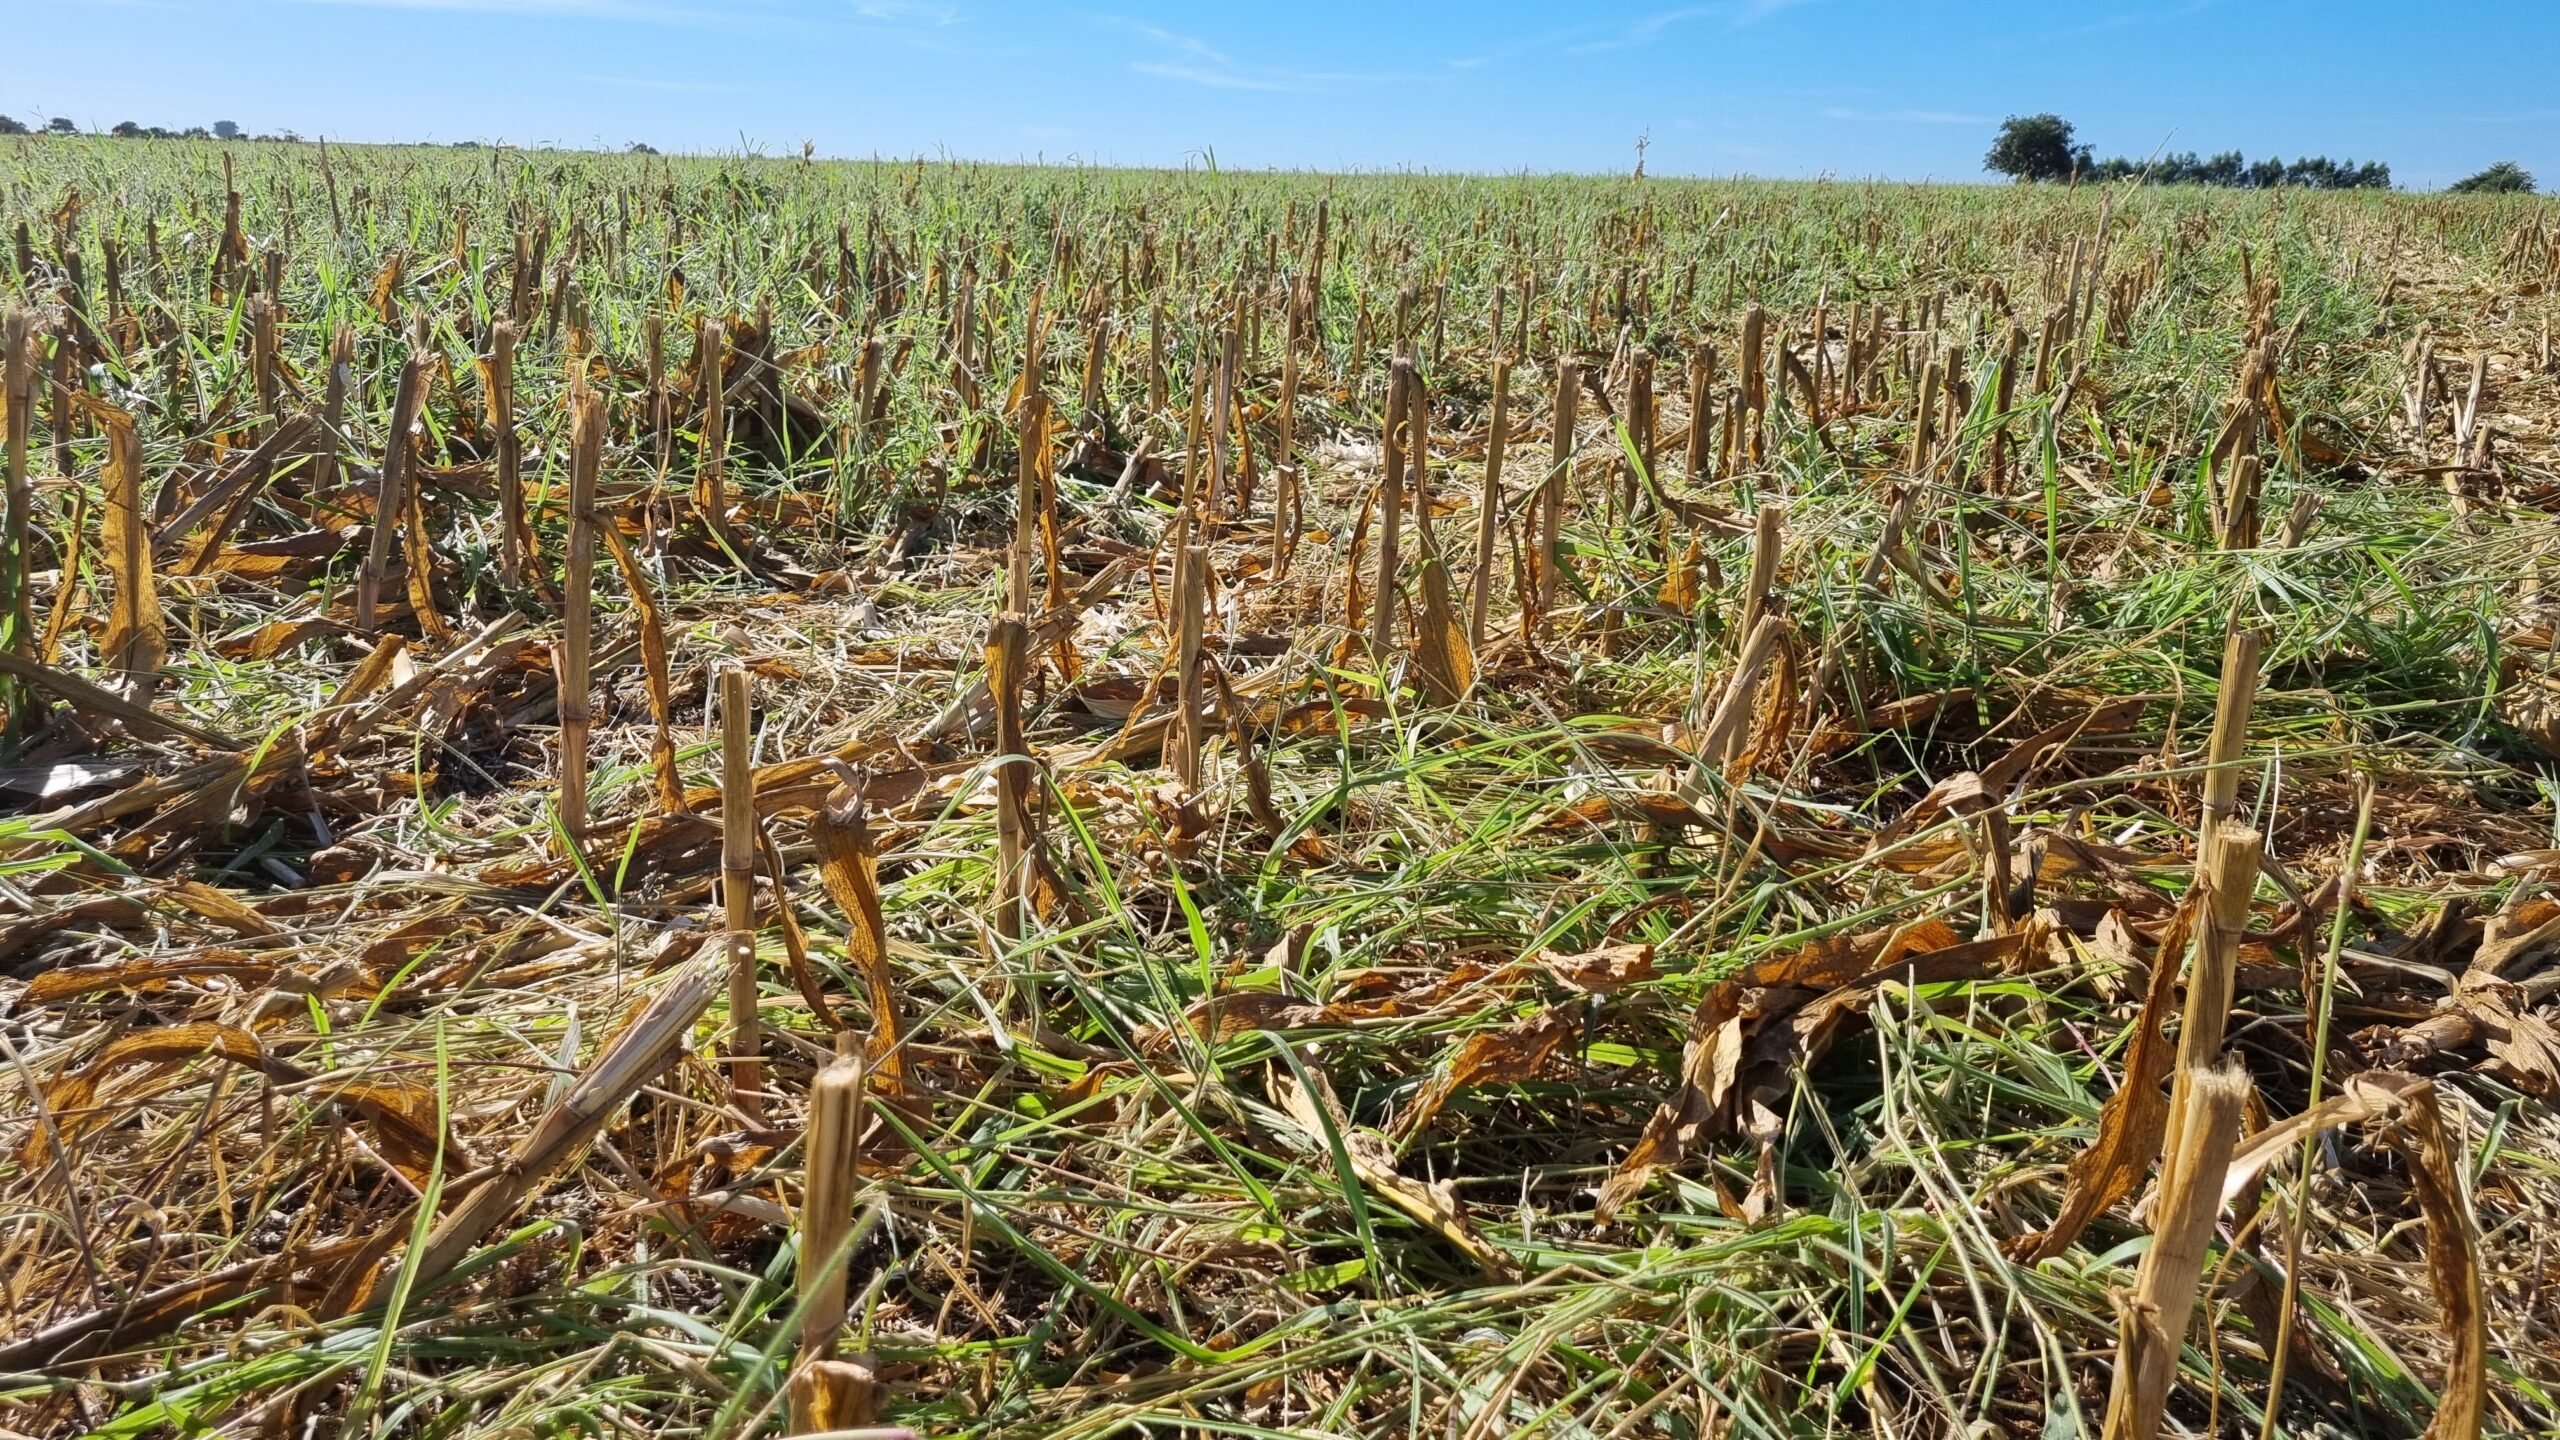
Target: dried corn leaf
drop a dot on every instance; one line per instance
(849, 868)
(1900, 714)
(1373, 1164)
(1229, 1014)
(385, 293)
(1768, 990)
(1680, 592)
(402, 1118)
(419, 551)
(2453, 1268)
(2374, 1095)
(228, 911)
(1443, 659)
(655, 668)
(795, 941)
(2133, 1121)
(2106, 717)
(1655, 808)
(1514, 1053)
(1604, 971)
(633, 1057)
(140, 977)
(137, 639)
(2523, 1046)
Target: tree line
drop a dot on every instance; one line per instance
(2042, 147)
(221, 130)
(131, 130)
(2232, 170)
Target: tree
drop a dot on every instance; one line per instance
(2504, 178)
(126, 130)
(2034, 147)
(12, 127)
(61, 125)
(226, 130)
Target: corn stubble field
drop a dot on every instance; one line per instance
(717, 797)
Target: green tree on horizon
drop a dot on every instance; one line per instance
(2504, 178)
(2035, 147)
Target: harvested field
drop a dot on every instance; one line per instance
(691, 797)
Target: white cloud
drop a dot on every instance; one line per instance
(1904, 117)
(908, 12)
(1755, 11)
(1194, 61)
(668, 87)
(1593, 40)
(912, 19)
(1643, 30)
(1191, 45)
(1212, 77)
(572, 9)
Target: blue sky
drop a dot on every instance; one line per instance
(1908, 89)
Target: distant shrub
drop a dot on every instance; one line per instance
(2504, 178)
